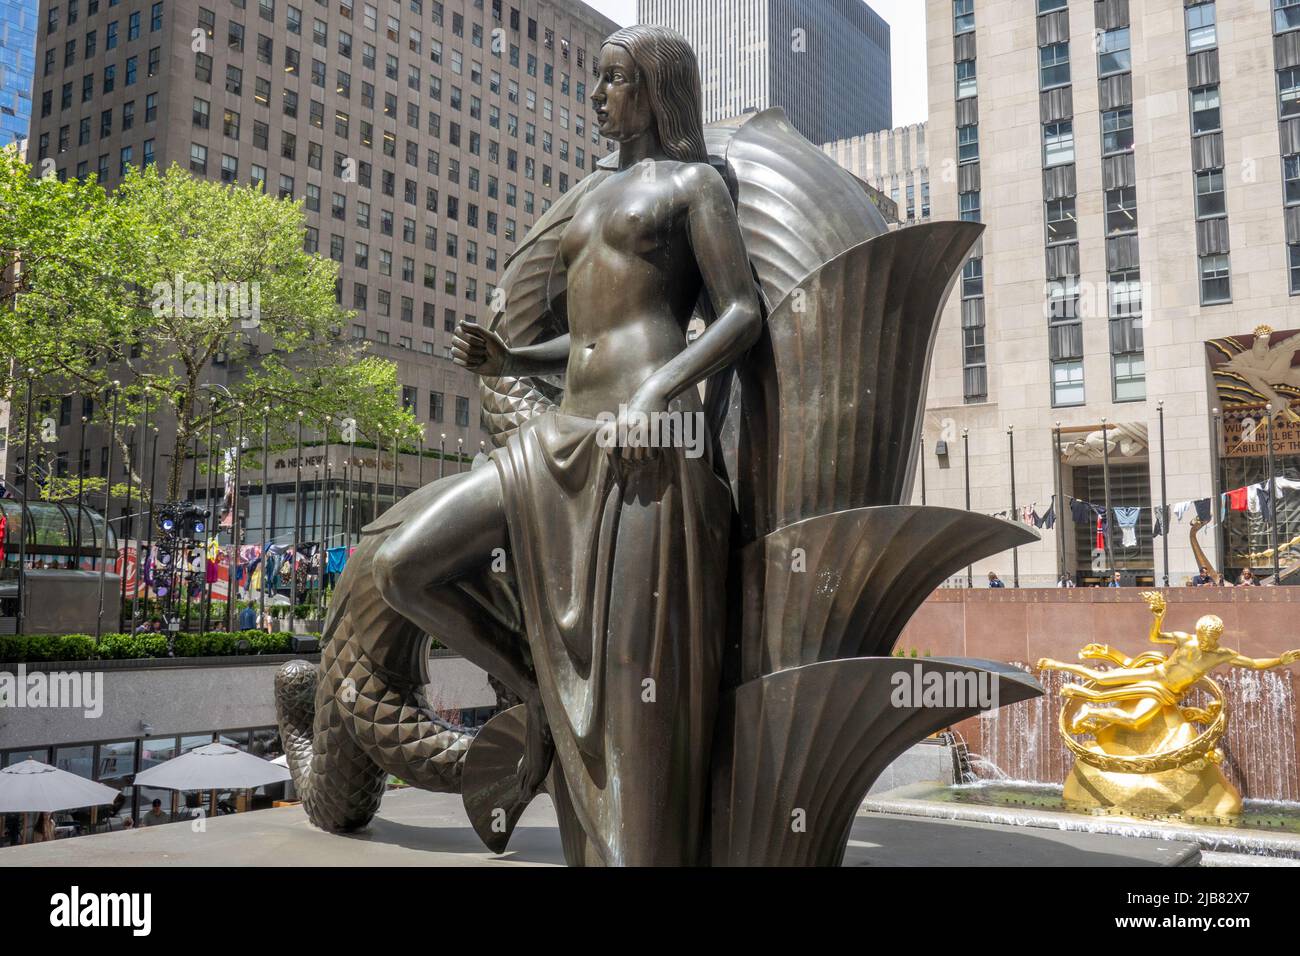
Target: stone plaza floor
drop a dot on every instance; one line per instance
(415, 828)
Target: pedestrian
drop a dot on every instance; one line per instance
(155, 815)
(1203, 579)
(1247, 579)
(1065, 581)
(995, 581)
(248, 619)
(43, 830)
(1116, 580)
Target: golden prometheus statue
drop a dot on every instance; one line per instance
(1149, 753)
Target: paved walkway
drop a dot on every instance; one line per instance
(415, 828)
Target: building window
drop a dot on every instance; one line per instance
(1286, 15)
(1053, 65)
(1113, 53)
(1291, 178)
(1062, 225)
(1125, 290)
(1216, 282)
(1210, 200)
(1288, 91)
(965, 79)
(1047, 6)
(1201, 34)
(1067, 382)
(963, 16)
(1058, 143)
(1206, 115)
(972, 279)
(1117, 131)
(968, 144)
(1063, 300)
(969, 206)
(1293, 268)
(198, 159)
(1121, 210)
(462, 411)
(1129, 374)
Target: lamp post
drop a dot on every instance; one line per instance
(397, 444)
(81, 483)
(1015, 552)
(965, 444)
(25, 524)
(460, 453)
(207, 525)
(419, 461)
(103, 548)
(374, 489)
(442, 454)
(1215, 485)
(922, 456)
(1164, 494)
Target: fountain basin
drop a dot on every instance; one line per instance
(1266, 833)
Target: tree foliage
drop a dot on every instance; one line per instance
(164, 283)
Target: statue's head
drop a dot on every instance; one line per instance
(649, 79)
(1208, 631)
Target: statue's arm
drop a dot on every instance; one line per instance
(715, 238)
(545, 358)
(1264, 663)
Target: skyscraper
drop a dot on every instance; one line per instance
(1138, 170)
(17, 64)
(827, 62)
(423, 137)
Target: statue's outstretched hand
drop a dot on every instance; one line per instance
(1155, 601)
(478, 349)
(1290, 657)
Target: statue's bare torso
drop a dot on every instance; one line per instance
(632, 282)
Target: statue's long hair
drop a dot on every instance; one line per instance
(672, 77)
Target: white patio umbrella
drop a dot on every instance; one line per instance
(214, 767)
(34, 787)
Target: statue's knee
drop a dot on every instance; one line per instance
(390, 570)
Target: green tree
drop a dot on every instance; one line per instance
(150, 285)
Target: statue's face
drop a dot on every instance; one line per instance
(622, 107)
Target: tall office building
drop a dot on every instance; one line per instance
(424, 137)
(827, 62)
(1138, 169)
(895, 162)
(17, 61)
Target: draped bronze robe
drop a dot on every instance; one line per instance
(621, 569)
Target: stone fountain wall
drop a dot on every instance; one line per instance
(1021, 625)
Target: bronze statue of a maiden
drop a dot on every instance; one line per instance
(619, 552)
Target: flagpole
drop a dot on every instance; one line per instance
(81, 482)
(1015, 515)
(266, 479)
(1272, 497)
(1107, 553)
(965, 442)
(1059, 504)
(297, 526)
(232, 586)
(207, 525)
(1164, 493)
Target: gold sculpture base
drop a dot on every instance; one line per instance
(1195, 789)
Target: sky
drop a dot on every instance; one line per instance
(906, 19)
